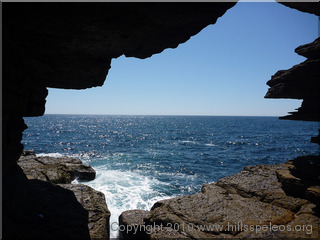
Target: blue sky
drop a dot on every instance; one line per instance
(223, 70)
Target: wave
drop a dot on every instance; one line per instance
(188, 141)
(198, 143)
(55, 155)
(125, 190)
(210, 145)
(82, 156)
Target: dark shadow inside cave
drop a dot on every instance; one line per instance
(52, 45)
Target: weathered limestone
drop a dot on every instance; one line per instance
(249, 204)
(55, 170)
(84, 200)
(132, 220)
(302, 177)
(95, 204)
(300, 82)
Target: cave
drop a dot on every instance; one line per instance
(70, 46)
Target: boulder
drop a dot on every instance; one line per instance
(55, 170)
(132, 225)
(95, 204)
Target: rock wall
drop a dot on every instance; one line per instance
(302, 80)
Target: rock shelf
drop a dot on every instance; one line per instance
(258, 202)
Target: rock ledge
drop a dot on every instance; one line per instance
(255, 203)
(55, 170)
(52, 174)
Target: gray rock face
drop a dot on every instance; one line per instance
(55, 170)
(91, 204)
(250, 204)
(302, 177)
(130, 222)
(95, 204)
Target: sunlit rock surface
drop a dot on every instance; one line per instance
(55, 170)
(243, 205)
(94, 203)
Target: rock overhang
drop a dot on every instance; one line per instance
(70, 45)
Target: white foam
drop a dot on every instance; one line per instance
(75, 181)
(125, 190)
(86, 157)
(82, 156)
(210, 145)
(188, 141)
(55, 155)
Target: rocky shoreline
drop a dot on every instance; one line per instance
(259, 202)
(262, 201)
(53, 175)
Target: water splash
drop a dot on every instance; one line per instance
(125, 190)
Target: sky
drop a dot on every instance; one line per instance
(222, 70)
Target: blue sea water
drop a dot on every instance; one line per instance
(142, 159)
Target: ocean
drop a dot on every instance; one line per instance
(142, 159)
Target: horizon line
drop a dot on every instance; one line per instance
(186, 115)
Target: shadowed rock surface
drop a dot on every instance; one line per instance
(41, 210)
(55, 170)
(84, 203)
(81, 39)
(249, 199)
(302, 173)
(300, 82)
(132, 220)
(95, 204)
(310, 7)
